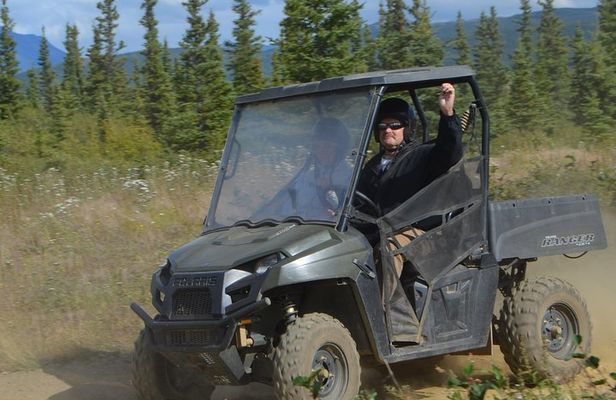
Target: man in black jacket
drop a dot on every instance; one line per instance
(402, 168)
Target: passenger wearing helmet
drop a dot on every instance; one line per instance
(319, 187)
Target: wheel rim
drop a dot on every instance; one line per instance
(330, 359)
(559, 328)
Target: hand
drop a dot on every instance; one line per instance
(332, 199)
(446, 98)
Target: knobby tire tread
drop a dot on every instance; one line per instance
(289, 353)
(521, 342)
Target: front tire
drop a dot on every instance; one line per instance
(538, 326)
(314, 342)
(157, 378)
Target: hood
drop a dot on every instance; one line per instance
(227, 249)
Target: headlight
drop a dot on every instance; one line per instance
(263, 263)
(240, 281)
(165, 272)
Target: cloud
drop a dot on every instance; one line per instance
(574, 3)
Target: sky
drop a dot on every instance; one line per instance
(30, 16)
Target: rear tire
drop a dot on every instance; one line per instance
(157, 378)
(537, 328)
(312, 342)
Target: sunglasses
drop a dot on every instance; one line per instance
(393, 125)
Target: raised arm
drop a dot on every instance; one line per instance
(448, 147)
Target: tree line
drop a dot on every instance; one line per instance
(185, 103)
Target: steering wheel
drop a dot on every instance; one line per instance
(361, 199)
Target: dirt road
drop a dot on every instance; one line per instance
(107, 376)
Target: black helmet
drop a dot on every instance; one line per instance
(399, 109)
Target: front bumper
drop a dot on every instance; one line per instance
(197, 335)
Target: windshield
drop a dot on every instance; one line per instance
(290, 158)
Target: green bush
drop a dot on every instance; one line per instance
(474, 385)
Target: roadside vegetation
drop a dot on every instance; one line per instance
(594, 383)
(77, 246)
(534, 163)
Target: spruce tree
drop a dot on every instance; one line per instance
(245, 52)
(463, 57)
(580, 74)
(184, 129)
(204, 96)
(10, 96)
(98, 88)
(138, 89)
(369, 49)
(551, 68)
(218, 104)
(167, 61)
(523, 103)
(96, 84)
(607, 29)
(107, 81)
(157, 89)
(491, 72)
(47, 77)
(72, 81)
(278, 70)
(175, 74)
(592, 86)
(33, 94)
(426, 48)
(460, 43)
(607, 37)
(190, 86)
(362, 46)
(52, 99)
(395, 39)
(114, 65)
(59, 114)
(318, 39)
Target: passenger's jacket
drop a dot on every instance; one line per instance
(413, 168)
(315, 198)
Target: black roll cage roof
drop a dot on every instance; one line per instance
(394, 79)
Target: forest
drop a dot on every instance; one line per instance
(104, 171)
(95, 112)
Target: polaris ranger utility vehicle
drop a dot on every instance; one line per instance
(282, 282)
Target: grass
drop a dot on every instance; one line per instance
(77, 249)
(535, 164)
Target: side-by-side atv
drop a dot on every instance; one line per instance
(283, 283)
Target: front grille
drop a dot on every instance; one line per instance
(191, 337)
(192, 303)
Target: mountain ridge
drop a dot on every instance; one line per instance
(28, 46)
